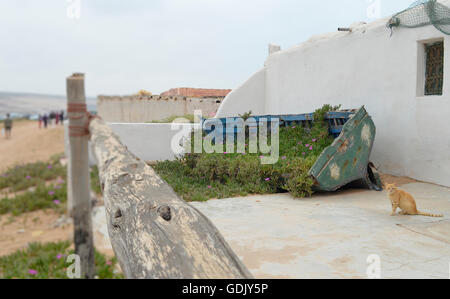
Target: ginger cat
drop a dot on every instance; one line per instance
(405, 201)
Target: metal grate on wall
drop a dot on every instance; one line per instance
(434, 73)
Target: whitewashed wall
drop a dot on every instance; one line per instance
(249, 96)
(151, 142)
(365, 67)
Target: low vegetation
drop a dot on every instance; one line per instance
(189, 118)
(199, 177)
(43, 197)
(95, 180)
(22, 177)
(49, 260)
(38, 186)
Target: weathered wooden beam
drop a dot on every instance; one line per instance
(79, 175)
(153, 232)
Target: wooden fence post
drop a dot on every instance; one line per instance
(79, 174)
(69, 169)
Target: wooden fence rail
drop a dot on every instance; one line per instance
(153, 232)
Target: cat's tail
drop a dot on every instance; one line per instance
(428, 214)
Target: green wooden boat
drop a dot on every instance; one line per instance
(346, 161)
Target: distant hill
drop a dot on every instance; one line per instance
(21, 104)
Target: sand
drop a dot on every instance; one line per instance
(17, 232)
(30, 144)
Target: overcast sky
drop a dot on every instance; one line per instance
(127, 45)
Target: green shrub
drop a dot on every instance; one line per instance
(299, 182)
(199, 177)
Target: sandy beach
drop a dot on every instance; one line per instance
(30, 144)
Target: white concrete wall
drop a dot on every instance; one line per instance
(367, 67)
(249, 96)
(132, 109)
(151, 142)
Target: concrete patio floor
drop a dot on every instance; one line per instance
(332, 235)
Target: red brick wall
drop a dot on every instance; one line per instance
(196, 92)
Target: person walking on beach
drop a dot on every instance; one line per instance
(8, 126)
(61, 117)
(40, 121)
(45, 120)
(51, 118)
